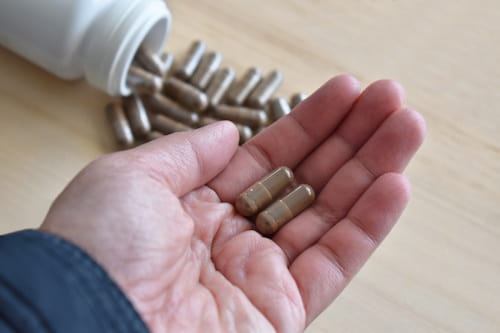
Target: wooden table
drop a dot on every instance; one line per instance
(439, 271)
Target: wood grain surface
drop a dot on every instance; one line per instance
(439, 270)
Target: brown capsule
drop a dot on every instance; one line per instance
(265, 90)
(168, 107)
(297, 98)
(120, 124)
(242, 115)
(279, 108)
(149, 61)
(167, 62)
(204, 121)
(153, 135)
(141, 81)
(137, 115)
(239, 92)
(191, 60)
(262, 193)
(280, 212)
(219, 85)
(167, 125)
(209, 64)
(185, 94)
(245, 132)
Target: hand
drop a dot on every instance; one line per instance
(159, 218)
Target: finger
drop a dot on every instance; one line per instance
(322, 271)
(376, 103)
(187, 160)
(290, 139)
(389, 150)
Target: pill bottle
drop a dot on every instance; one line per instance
(91, 39)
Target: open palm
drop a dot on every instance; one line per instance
(159, 217)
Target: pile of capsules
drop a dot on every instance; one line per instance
(262, 200)
(193, 93)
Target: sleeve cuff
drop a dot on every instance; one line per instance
(49, 285)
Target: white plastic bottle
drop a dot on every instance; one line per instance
(95, 39)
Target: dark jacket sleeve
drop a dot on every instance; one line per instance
(50, 285)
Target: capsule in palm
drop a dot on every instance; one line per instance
(262, 193)
(280, 212)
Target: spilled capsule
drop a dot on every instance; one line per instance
(169, 108)
(265, 90)
(185, 94)
(219, 85)
(240, 90)
(242, 115)
(137, 115)
(190, 62)
(209, 64)
(297, 98)
(167, 125)
(245, 132)
(119, 123)
(149, 61)
(142, 81)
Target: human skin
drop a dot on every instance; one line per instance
(159, 218)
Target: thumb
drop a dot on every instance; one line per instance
(188, 160)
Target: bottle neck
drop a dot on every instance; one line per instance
(115, 37)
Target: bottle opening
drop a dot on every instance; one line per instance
(117, 35)
(154, 40)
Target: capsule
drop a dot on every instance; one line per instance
(219, 85)
(167, 62)
(185, 94)
(168, 107)
(191, 60)
(280, 212)
(149, 61)
(265, 90)
(137, 115)
(120, 124)
(153, 135)
(209, 64)
(242, 115)
(297, 98)
(167, 125)
(279, 108)
(239, 92)
(262, 193)
(142, 81)
(245, 132)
